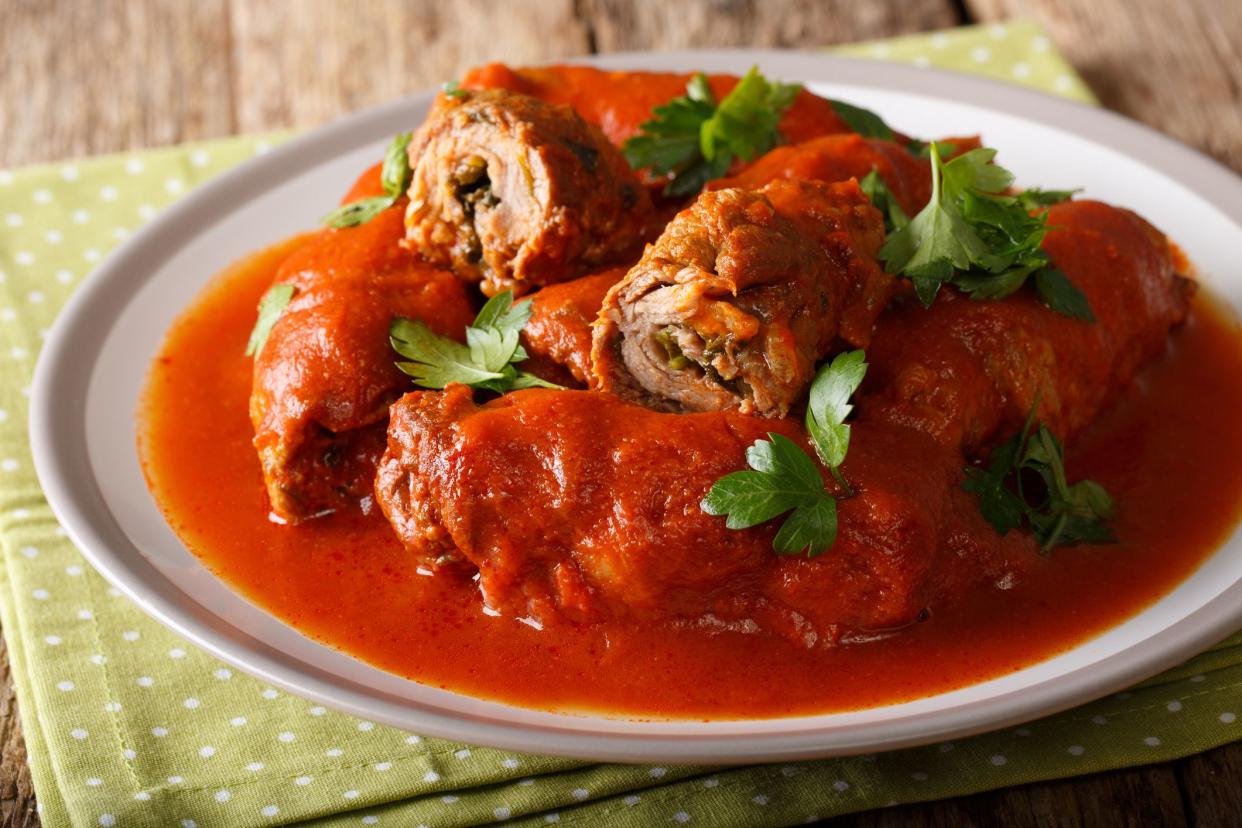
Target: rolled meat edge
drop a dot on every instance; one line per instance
(515, 193)
(324, 380)
(558, 335)
(740, 297)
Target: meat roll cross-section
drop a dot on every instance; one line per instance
(968, 372)
(600, 519)
(515, 193)
(741, 296)
(325, 378)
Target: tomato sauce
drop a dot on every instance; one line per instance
(1169, 453)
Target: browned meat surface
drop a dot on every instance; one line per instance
(599, 517)
(741, 296)
(516, 193)
(559, 330)
(968, 372)
(840, 220)
(325, 378)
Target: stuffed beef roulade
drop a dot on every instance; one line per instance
(325, 377)
(516, 193)
(740, 297)
(600, 517)
(968, 372)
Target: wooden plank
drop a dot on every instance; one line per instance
(82, 78)
(1210, 786)
(1176, 66)
(659, 24)
(1139, 796)
(296, 70)
(17, 797)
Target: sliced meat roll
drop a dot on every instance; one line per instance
(326, 376)
(740, 297)
(516, 193)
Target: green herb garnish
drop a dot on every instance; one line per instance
(973, 236)
(922, 149)
(695, 140)
(784, 478)
(1024, 483)
(1034, 198)
(270, 308)
(881, 196)
(485, 361)
(870, 125)
(452, 89)
(863, 121)
(395, 178)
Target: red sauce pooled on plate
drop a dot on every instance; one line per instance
(1168, 453)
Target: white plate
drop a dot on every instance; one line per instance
(93, 365)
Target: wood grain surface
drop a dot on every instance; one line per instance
(80, 77)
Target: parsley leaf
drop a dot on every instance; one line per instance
(863, 121)
(271, 306)
(452, 89)
(829, 404)
(784, 478)
(811, 528)
(1059, 293)
(485, 361)
(395, 179)
(975, 237)
(1058, 513)
(695, 140)
(1034, 198)
(878, 193)
(922, 149)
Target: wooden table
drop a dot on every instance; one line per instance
(79, 77)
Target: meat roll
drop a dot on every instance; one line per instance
(599, 517)
(968, 372)
(559, 331)
(325, 378)
(840, 158)
(618, 102)
(517, 193)
(740, 297)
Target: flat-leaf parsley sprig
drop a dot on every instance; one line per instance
(784, 478)
(870, 125)
(878, 193)
(487, 359)
(694, 140)
(395, 179)
(1024, 483)
(974, 236)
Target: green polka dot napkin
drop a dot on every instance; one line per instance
(127, 725)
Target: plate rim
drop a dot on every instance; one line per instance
(56, 466)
